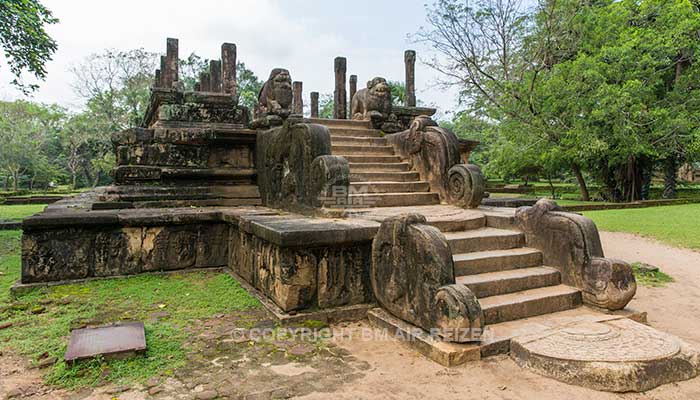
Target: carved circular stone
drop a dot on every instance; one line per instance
(618, 355)
(599, 341)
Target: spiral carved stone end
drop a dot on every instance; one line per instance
(465, 185)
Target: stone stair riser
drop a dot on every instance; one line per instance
(531, 308)
(497, 263)
(485, 243)
(512, 285)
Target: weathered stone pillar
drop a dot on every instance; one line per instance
(409, 58)
(156, 81)
(297, 102)
(171, 60)
(314, 104)
(353, 87)
(161, 77)
(228, 66)
(215, 75)
(204, 82)
(340, 103)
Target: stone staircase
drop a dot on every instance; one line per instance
(491, 259)
(508, 278)
(378, 177)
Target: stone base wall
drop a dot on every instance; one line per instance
(300, 263)
(78, 252)
(297, 278)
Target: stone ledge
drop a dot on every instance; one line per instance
(291, 230)
(349, 313)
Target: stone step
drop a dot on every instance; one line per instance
(484, 239)
(501, 220)
(393, 199)
(389, 187)
(352, 132)
(342, 150)
(344, 123)
(384, 176)
(372, 158)
(496, 260)
(379, 167)
(529, 303)
(510, 281)
(358, 140)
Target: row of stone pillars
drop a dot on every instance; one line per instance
(340, 99)
(221, 77)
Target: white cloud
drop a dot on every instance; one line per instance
(299, 35)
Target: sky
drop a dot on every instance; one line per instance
(303, 36)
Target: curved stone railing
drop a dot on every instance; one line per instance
(412, 276)
(570, 243)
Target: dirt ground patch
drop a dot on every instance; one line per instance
(226, 362)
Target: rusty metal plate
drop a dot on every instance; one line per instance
(113, 340)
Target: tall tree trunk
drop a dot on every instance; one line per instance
(74, 180)
(646, 180)
(585, 196)
(15, 180)
(670, 171)
(96, 180)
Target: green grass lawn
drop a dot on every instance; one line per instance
(20, 211)
(674, 225)
(42, 318)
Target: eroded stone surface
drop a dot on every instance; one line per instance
(413, 278)
(618, 355)
(570, 243)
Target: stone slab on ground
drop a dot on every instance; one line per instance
(445, 353)
(616, 355)
(118, 340)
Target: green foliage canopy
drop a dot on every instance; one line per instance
(24, 41)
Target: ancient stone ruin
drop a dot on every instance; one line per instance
(375, 216)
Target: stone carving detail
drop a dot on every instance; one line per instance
(330, 179)
(373, 102)
(291, 172)
(56, 255)
(432, 151)
(275, 98)
(298, 278)
(570, 242)
(412, 276)
(465, 185)
(618, 355)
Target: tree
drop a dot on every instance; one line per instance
(600, 87)
(26, 44)
(325, 105)
(398, 92)
(249, 85)
(116, 85)
(27, 131)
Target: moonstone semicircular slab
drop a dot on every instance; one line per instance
(617, 355)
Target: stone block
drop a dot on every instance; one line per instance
(57, 255)
(343, 275)
(117, 252)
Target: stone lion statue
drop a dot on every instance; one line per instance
(275, 97)
(373, 102)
